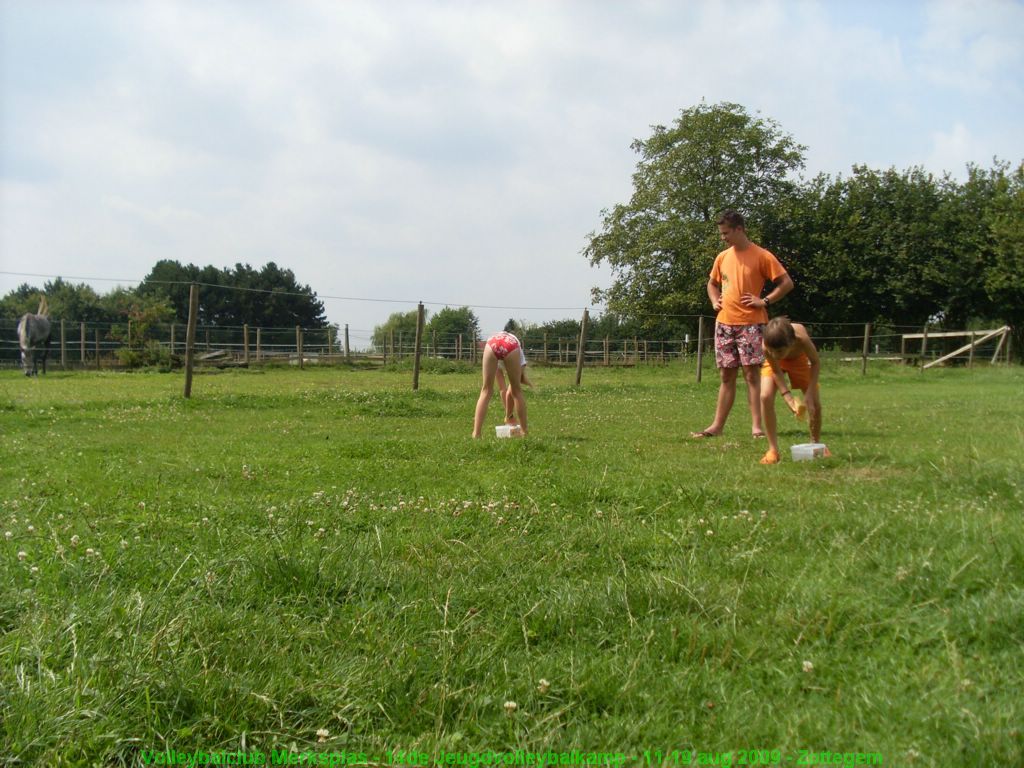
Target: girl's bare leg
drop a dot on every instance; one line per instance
(490, 367)
(515, 386)
(812, 398)
(771, 423)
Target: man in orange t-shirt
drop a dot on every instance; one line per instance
(737, 279)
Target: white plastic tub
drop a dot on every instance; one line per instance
(508, 430)
(808, 451)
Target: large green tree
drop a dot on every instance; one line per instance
(446, 326)
(1004, 273)
(78, 303)
(398, 329)
(662, 243)
(269, 297)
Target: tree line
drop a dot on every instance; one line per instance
(450, 322)
(891, 247)
(269, 297)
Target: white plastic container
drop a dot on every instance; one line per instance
(808, 451)
(508, 430)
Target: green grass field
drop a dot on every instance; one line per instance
(293, 552)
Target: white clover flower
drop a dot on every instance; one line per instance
(321, 735)
(543, 686)
(75, 540)
(8, 535)
(34, 569)
(22, 555)
(808, 666)
(90, 551)
(510, 708)
(31, 529)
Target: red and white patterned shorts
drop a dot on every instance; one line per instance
(503, 343)
(737, 345)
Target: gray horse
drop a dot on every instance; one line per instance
(34, 338)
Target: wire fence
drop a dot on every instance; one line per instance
(78, 345)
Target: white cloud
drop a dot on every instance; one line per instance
(974, 45)
(954, 149)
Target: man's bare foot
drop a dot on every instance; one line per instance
(770, 457)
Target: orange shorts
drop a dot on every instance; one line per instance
(798, 368)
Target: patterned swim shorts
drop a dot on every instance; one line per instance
(503, 343)
(737, 345)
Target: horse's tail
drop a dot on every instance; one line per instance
(44, 309)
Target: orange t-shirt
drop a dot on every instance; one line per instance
(740, 272)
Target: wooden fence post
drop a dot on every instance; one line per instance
(545, 346)
(924, 345)
(1009, 341)
(298, 344)
(607, 354)
(700, 346)
(970, 354)
(864, 354)
(259, 344)
(330, 346)
(172, 339)
(190, 337)
(346, 344)
(245, 344)
(473, 352)
(97, 342)
(999, 348)
(581, 350)
(458, 347)
(416, 351)
(81, 339)
(63, 346)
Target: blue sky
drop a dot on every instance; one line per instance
(452, 152)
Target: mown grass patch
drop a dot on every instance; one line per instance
(291, 551)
